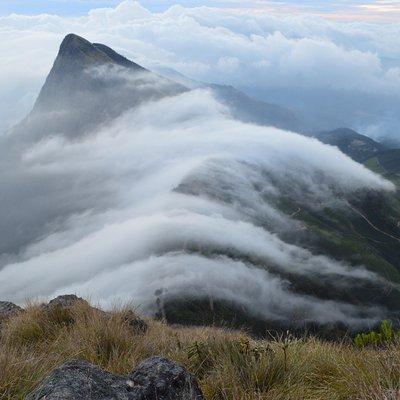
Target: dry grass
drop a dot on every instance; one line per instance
(229, 365)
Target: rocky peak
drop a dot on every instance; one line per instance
(73, 68)
(77, 51)
(76, 48)
(90, 84)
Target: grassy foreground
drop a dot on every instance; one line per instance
(228, 365)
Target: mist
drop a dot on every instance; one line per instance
(175, 195)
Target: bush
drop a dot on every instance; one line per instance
(385, 336)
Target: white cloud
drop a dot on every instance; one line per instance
(102, 212)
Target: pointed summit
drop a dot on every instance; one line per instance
(72, 44)
(80, 52)
(71, 71)
(91, 83)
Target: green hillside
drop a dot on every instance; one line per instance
(363, 230)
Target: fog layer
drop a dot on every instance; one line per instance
(173, 195)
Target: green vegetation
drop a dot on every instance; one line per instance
(362, 230)
(389, 160)
(229, 364)
(343, 234)
(385, 336)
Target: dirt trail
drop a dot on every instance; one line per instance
(371, 224)
(295, 213)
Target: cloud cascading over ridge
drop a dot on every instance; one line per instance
(108, 215)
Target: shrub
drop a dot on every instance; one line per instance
(385, 336)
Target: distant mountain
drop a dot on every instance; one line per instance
(242, 106)
(376, 156)
(248, 109)
(357, 146)
(90, 84)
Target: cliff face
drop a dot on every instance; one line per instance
(90, 84)
(73, 72)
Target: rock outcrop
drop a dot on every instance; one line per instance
(137, 325)
(163, 379)
(8, 310)
(88, 85)
(64, 302)
(154, 379)
(61, 308)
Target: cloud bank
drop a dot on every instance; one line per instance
(173, 195)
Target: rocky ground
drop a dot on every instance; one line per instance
(68, 349)
(154, 378)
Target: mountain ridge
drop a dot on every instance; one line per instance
(88, 86)
(75, 55)
(243, 106)
(357, 146)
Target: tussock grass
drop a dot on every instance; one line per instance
(228, 364)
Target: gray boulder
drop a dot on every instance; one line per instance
(65, 301)
(80, 380)
(8, 310)
(158, 378)
(137, 325)
(60, 308)
(154, 379)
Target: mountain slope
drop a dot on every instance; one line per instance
(387, 161)
(248, 109)
(91, 84)
(242, 106)
(357, 146)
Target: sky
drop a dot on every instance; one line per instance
(338, 67)
(367, 10)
